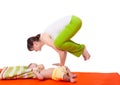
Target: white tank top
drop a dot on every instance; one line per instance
(54, 29)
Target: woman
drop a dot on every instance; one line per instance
(58, 36)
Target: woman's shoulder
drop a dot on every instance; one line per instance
(44, 36)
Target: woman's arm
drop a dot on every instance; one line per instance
(62, 58)
(49, 41)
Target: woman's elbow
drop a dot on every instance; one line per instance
(63, 53)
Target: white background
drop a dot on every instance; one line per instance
(20, 19)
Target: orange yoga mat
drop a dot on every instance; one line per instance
(83, 78)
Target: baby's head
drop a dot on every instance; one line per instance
(37, 66)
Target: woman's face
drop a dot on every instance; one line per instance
(37, 45)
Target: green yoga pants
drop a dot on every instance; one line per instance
(63, 40)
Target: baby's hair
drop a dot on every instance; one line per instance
(30, 65)
(31, 40)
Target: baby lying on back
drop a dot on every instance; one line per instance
(61, 73)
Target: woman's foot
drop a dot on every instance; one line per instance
(85, 54)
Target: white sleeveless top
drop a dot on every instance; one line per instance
(54, 29)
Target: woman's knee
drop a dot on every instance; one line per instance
(57, 43)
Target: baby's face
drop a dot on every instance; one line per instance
(41, 67)
(32, 65)
(38, 67)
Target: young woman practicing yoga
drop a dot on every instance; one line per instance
(58, 36)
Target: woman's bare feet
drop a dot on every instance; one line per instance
(85, 54)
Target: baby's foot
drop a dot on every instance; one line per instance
(72, 80)
(85, 54)
(74, 75)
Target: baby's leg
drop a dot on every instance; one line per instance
(68, 78)
(70, 73)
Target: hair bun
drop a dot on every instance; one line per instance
(37, 36)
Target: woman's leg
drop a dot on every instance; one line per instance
(63, 40)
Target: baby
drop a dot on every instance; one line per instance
(59, 73)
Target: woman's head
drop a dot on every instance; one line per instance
(33, 43)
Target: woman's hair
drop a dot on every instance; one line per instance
(31, 40)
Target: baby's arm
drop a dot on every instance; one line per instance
(38, 75)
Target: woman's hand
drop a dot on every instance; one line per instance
(62, 55)
(57, 64)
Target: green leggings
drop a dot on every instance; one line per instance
(63, 40)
